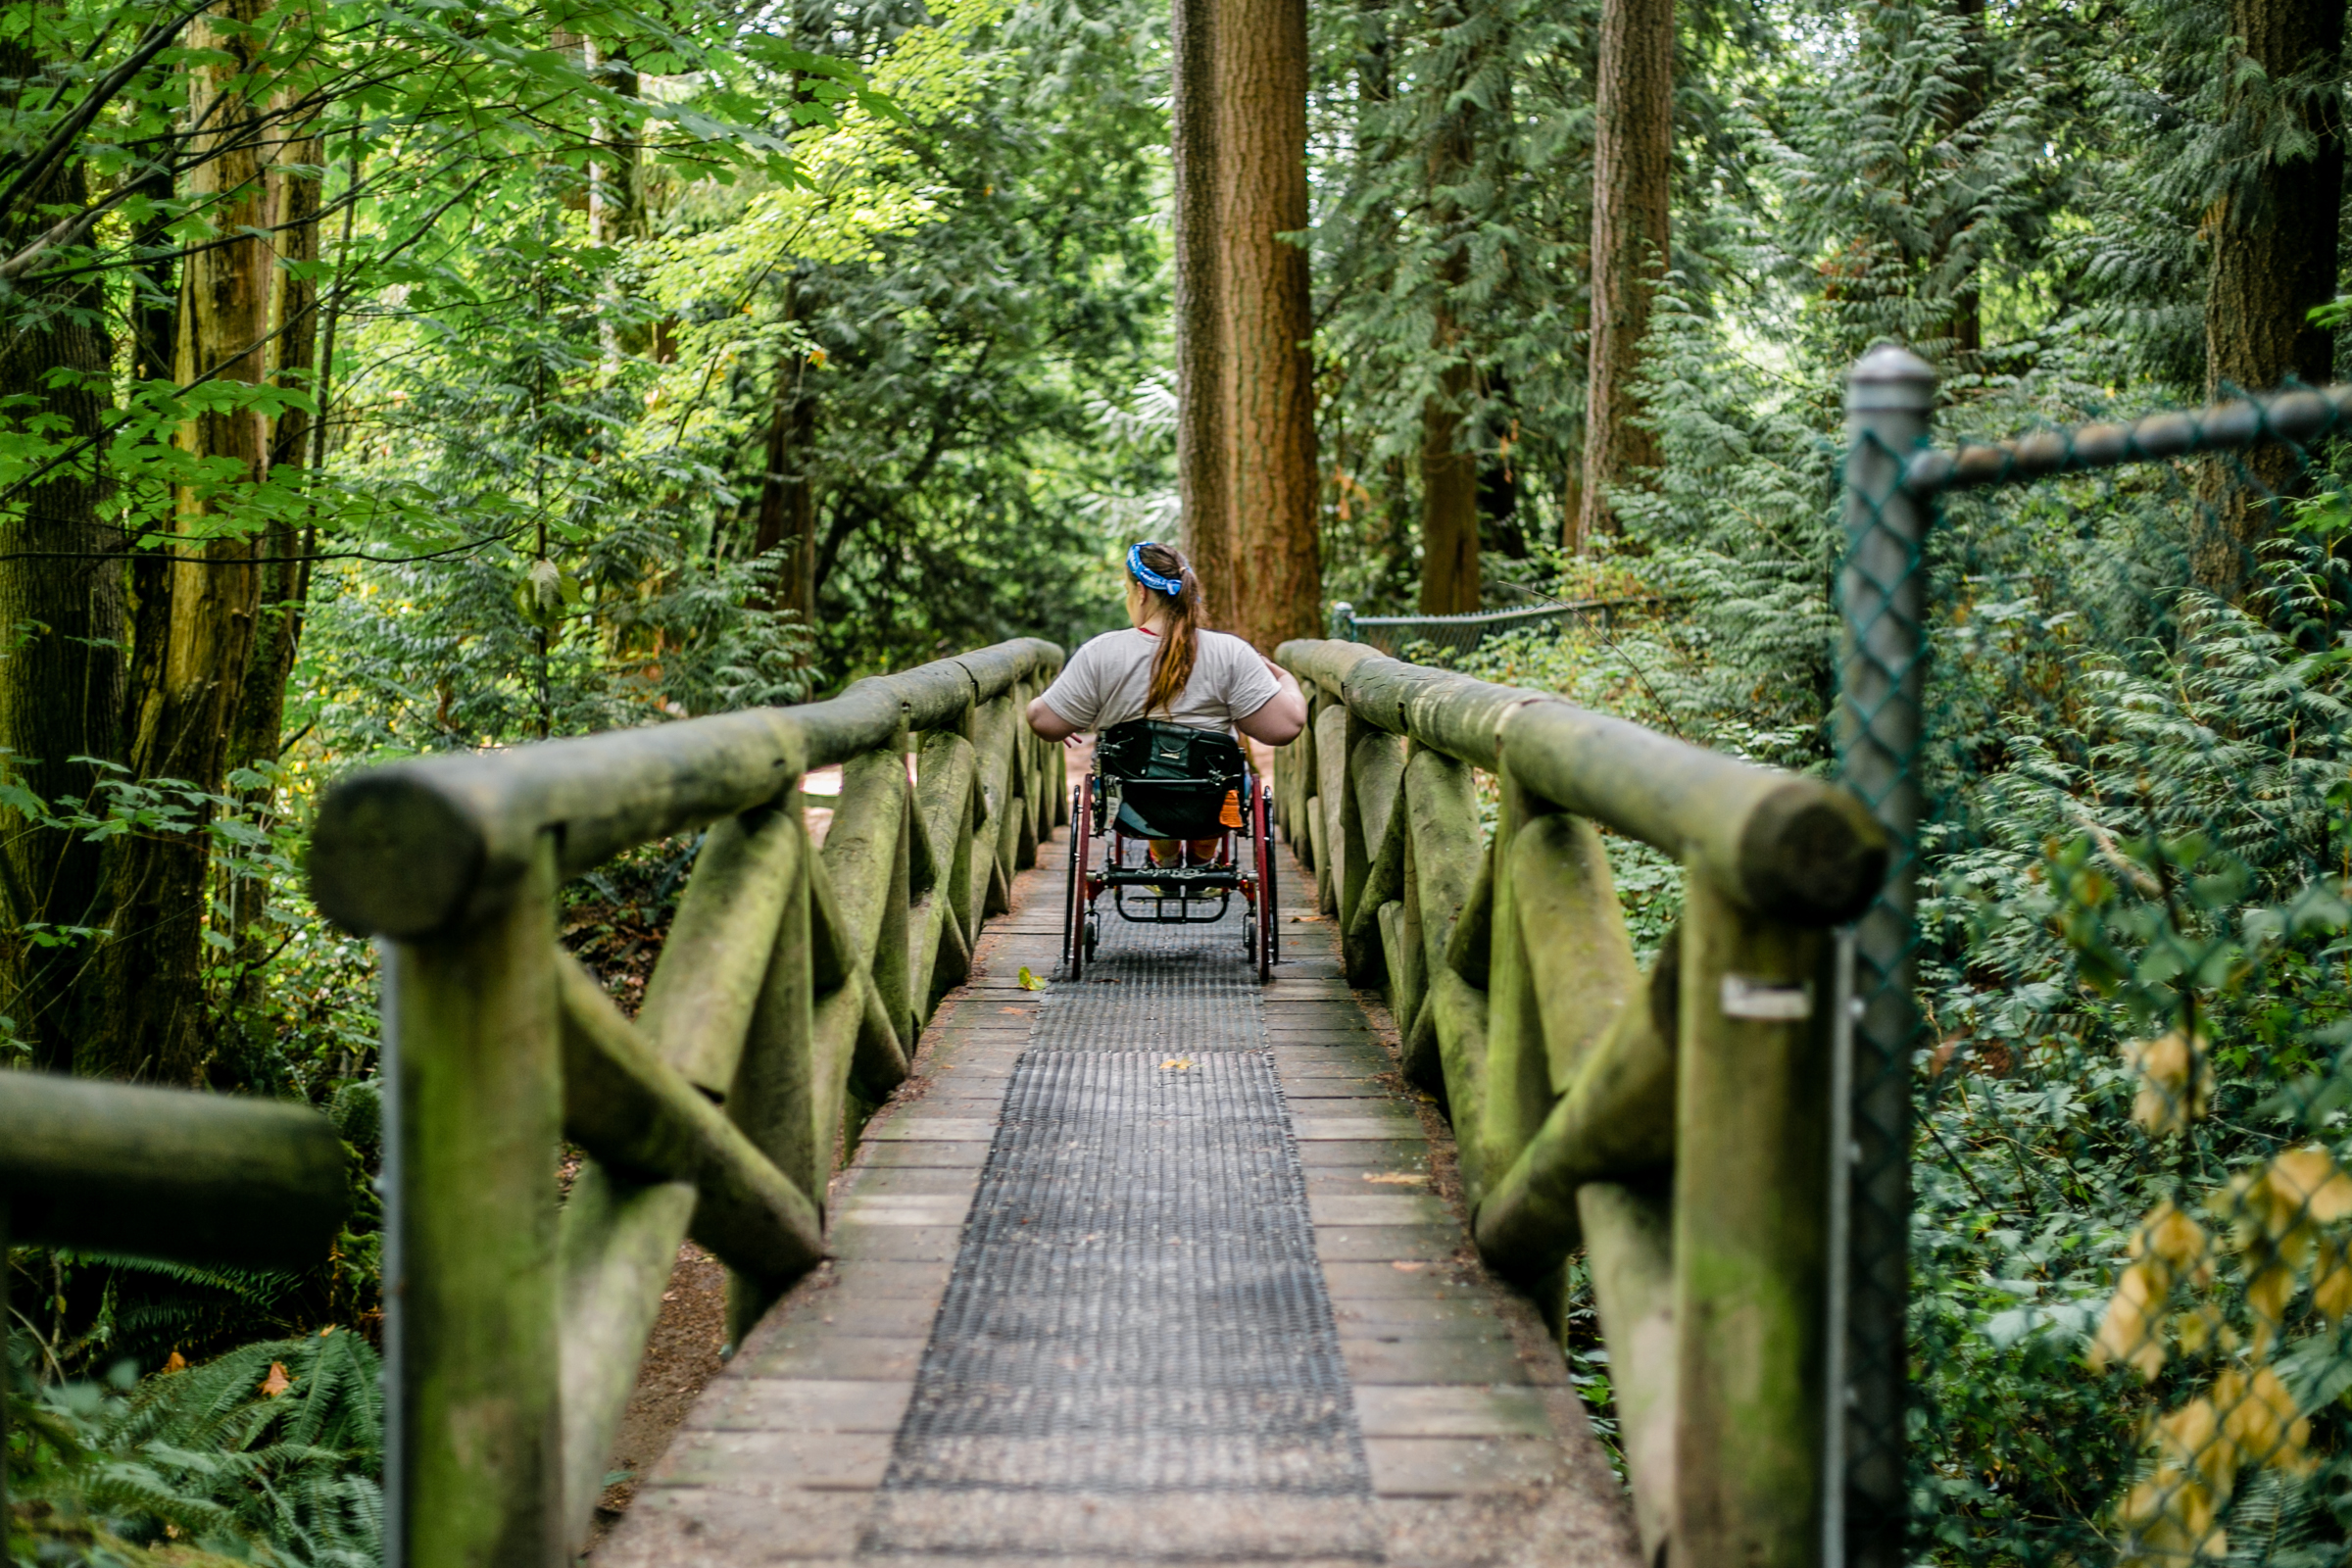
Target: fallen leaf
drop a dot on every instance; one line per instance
(1012, 1010)
(324, 1331)
(1029, 982)
(1393, 1178)
(1306, 919)
(1404, 1267)
(1177, 1065)
(276, 1383)
(177, 1363)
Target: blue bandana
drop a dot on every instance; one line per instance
(1173, 587)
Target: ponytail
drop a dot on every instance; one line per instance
(1181, 618)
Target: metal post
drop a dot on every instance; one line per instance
(1881, 595)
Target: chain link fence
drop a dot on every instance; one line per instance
(2097, 1303)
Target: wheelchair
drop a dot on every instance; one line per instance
(1153, 780)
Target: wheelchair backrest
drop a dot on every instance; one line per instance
(1145, 751)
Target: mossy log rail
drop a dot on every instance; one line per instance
(786, 1005)
(1677, 1124)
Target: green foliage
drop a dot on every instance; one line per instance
(268, 1454)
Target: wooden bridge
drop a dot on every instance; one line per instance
(1162, 1266)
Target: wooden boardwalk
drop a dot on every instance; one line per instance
(1475, 1448)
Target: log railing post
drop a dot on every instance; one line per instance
(473, 1468)
(773, 1096)
(1750, 1235)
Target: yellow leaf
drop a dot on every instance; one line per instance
(1029, 982)
(1177, 1065)
(2331, 1280)
(2171, 1238)
(177, 1363)
(2309, 1179)
(2128, 1332)
(276, 1383)
(2268, 1291)
(2261, 1424)
(2175, 1082)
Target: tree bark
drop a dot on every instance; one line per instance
(151, 974)
(1268, 312)
(292, 186)
(1204, 487)
(787, 489)
(2274, 240)
(1449, 582)
(1632, 154)
(60, 685)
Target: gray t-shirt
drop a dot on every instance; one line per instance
(1106, 682)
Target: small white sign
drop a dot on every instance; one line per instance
(1769, 1000)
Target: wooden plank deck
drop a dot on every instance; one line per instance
(1478, 1452)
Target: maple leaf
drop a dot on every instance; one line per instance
(1029, 982)
(276, 1383)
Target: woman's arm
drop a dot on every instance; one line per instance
(1280, 717)
(1049, 724)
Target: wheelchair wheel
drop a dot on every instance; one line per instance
(1070, 881)
(1261, 843)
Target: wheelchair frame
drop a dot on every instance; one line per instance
(1094, 817)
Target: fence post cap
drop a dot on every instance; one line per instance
(1890, 376)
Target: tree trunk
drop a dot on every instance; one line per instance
(2273, 241)
(1268, 312)
(1450, 584)
(1633, 152)
(60, 684)
(151, 974)
(787, 489)
(293, 187)
(1448, 499)
(1204, 487)
(293, 193)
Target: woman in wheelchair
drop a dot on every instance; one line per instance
(1166, 697)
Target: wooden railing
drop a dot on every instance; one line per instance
(787, 998)
(1678, 1125)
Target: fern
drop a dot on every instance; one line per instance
(207, 1455)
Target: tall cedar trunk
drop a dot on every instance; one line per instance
(293, 191)
(1450, 583)
(151, 974)
(2274, 259)
(787, 489)
(616, 197)
(1633, 151)
(60, 688)
(1204, 487)
(1270, 408)
(1448, 501)
(1964, 328)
